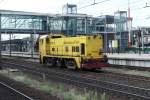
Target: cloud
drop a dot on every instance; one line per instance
(55, 6)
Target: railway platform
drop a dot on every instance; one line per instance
(21, 54)
(140, 60)
(129, 59)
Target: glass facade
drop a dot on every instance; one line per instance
(120, 20)
(121, 29)
(21, 22)
(71, 25)
(69, 9)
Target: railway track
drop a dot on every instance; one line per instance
(85, 80)
(9, 93)
(143, 82)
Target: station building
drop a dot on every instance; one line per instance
(70, 22)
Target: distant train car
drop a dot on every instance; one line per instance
(72, 52)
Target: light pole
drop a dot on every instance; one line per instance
(0, 47)
(33, 39)
(129, 24)
(0, 44)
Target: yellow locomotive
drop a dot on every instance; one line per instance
(72, 52)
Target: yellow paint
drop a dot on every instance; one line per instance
(70, 47)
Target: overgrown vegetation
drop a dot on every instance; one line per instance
(128, 71)
(56, 89)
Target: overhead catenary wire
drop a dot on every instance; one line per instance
(83, 2)
(134, 8)
(134, 5)
(122, 6)
(95, 3)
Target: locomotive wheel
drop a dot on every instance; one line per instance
(59, 63)
(63, 64)
(70, 64)
(40, 60)
(50, 62)
(105, 58)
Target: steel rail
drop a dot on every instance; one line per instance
(89, 82)
(112, 74)
(16, 91)
(105, 76)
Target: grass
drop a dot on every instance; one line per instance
(128, 71)
(59, 90)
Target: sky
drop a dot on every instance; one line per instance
(141, 15)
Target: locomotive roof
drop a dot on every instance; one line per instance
(43, 36)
